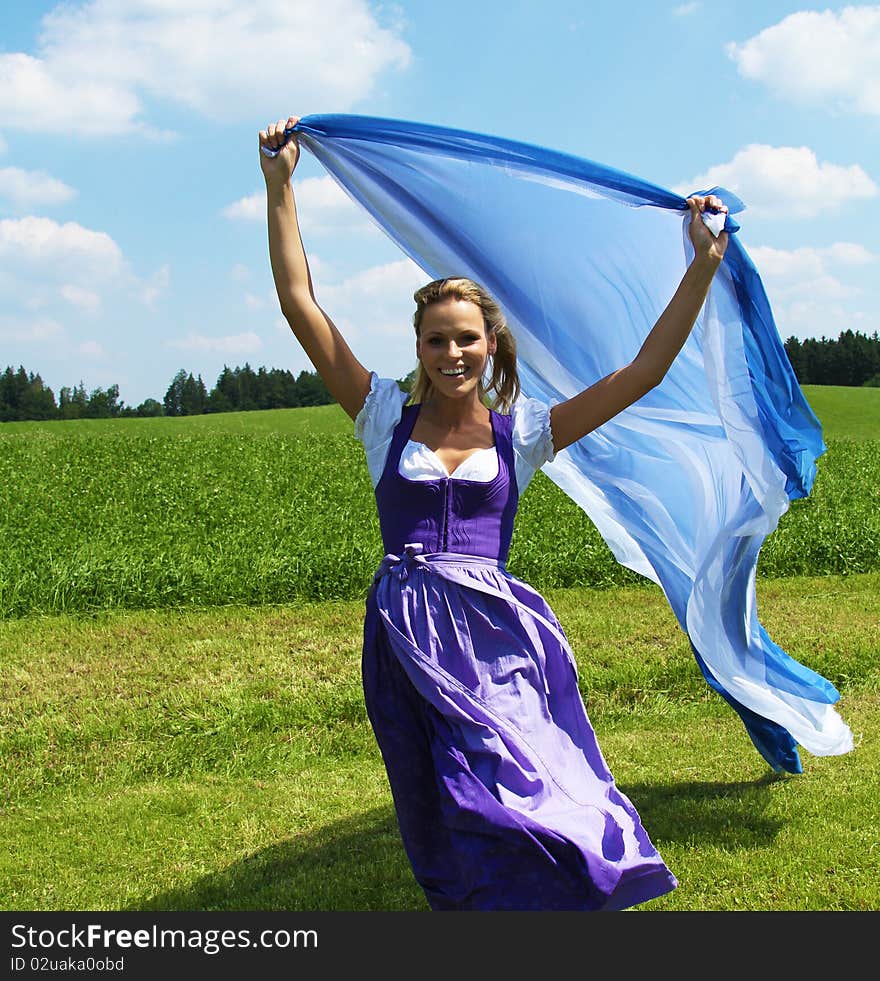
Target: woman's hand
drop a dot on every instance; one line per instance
(279, 169)
(706, 245)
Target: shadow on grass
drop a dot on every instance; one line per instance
(354, 864)
(359, 863)
(730, 815)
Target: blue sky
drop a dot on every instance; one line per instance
(132, 238)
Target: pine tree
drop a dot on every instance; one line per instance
(173, 400)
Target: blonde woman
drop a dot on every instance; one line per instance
(503, 798)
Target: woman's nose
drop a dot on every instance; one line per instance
(454, 349)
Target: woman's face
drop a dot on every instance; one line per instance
(452, 346)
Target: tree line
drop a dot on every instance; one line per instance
(852, 359)
(24, 395)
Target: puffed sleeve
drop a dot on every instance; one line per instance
(532, 438)
(374, 424)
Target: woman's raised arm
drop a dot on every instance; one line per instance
(347, 380)
(573, 419)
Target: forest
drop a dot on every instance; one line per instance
(24, 396)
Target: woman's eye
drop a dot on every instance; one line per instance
(465, 339)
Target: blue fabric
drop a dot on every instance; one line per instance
(686, 484)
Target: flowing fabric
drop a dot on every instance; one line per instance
(686, 484)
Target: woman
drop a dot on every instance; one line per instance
(502, 796)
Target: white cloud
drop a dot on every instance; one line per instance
(374, 305)
(41, 258)
(86, 300)
(98, 63)
(29, 330)
(786, 180)
(797, 272)
(250, 208)
(818, 56)
(809, 270)
(806, 318)
(24, 188)
(809, 289)
(685, 9)
(848, 253)
(324, 196)
(372, 308)
(245, 343)
(31, 88)
(155, 286)
(65, 248)
(378, 283)
(322, 207)
(92, 349)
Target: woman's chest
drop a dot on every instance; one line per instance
(451, 451)
(420, 462)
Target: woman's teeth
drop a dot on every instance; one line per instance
(452, 371)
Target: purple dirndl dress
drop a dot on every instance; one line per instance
(503, 798)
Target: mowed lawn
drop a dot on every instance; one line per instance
(209, 748)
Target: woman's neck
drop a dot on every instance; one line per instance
(454, 414)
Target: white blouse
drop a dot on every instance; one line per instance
(374, 427)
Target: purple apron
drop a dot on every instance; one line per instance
(502, 796)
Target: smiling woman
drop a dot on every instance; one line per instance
(463, 347)
(453, 343)
(503, 798)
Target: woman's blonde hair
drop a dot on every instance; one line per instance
(501, 380)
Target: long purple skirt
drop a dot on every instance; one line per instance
(503, 798)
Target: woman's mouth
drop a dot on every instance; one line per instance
(453, 372)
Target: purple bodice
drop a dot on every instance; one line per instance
(469, 517)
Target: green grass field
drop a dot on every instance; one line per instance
(182, 725)
(846, 413)
(221, 759)
(320, 419)
(202, 511)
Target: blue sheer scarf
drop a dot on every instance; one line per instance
(686, 484)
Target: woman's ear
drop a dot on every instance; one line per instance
(492, 343)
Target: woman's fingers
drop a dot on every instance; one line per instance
(711, 201)
(277, 141)
(273, 135)
(272, 132)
